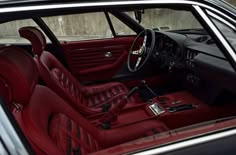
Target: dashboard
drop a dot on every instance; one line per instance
(198, 55)
(168, 51)
(180, 51)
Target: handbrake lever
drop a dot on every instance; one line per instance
(132, 91)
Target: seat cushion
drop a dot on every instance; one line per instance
(45, 118)
(95, 96)
(70, 137)
(98, 95)
(55, 128)
(91, 96)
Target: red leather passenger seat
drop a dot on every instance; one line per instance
(49, 123)
(86, 99)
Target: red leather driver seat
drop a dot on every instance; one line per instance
(86, 99)
(49, 123)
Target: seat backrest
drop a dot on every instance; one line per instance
(25, 72)
(5, 93)
(54, 74)
(49, 123)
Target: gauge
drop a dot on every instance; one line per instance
(160, 44)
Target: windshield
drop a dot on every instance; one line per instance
(163, 19)
(227, 29)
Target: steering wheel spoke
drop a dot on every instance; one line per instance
(138, 63)
(144, 40)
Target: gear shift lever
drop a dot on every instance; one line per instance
(144, 83)
(113, 113)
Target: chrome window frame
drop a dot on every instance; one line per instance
(9, 136)
(221, 19)
(188, 143)
(198, 6)
(216, 31)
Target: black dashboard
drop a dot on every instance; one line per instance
(174, 48)
(169, 49)
(205, 67)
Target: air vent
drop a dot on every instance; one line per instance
(190, 55)
(202, 39)
(210, 41)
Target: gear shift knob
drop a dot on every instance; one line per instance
(143, 82)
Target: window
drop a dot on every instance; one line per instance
(168, 19)
(120, 27)
(227, 29)
(9, 31)
(232, 2)
(79, 26)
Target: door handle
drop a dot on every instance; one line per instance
(108, 54)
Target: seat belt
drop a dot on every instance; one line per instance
(111, 115)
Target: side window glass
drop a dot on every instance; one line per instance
(9, 31)
(77, 27)
(227, 29)
(120, 27)
(163, 19)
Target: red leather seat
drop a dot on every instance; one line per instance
(86, 99)
(49, 123)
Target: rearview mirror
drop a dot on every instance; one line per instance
(138, 15)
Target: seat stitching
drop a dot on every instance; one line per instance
(69, 142)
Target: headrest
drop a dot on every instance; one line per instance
(20, 72)
(36, 37)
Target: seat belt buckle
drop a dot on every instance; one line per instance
(106, 107)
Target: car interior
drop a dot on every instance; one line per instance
(113, 91)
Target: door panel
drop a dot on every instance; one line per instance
(87, 60)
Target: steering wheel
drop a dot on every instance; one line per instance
(141, 55)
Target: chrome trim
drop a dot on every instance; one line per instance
(156, 109)
(108, 54)
(221, 19)
(102, 48)
(92, 4)
(9, 136)
(216, 31)
(187, 143)
(2, 149)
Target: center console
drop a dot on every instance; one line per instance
(165, 104)
(172, 109)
